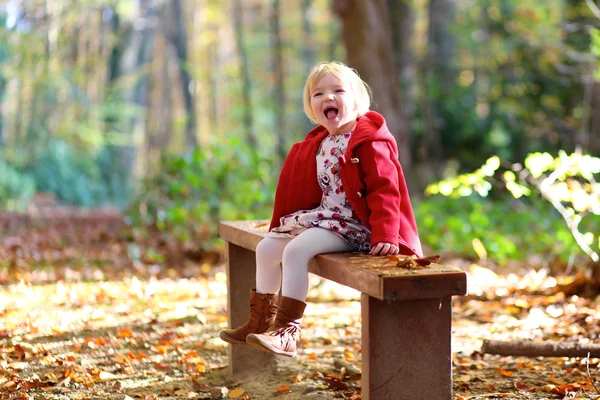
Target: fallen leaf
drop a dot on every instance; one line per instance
(335, 383)
(504, 373)
(284, 389)
(235, 393)
(522, 387)
(125, 333)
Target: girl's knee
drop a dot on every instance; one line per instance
(297, 250)
(270, 249)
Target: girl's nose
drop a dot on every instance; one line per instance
(329, 96)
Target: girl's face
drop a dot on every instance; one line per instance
(333, 104)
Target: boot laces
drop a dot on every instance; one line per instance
(291, 330)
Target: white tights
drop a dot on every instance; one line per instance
(294, 255)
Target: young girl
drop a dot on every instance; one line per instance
(341, 189)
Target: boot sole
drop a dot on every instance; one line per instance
(268, 349)
(224, 337)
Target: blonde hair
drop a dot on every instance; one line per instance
(361, 91)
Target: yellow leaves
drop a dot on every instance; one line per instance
(349, 355)
(479, 248)
(160, 349)
(504, 373)
(96, 341)
(236, 393)
(193, 362)
(411, 262)
(125, 333)
(191, 355)
(298, 378)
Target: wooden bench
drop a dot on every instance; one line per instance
(406, 315)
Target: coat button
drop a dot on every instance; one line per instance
(354, 160)
(359, 194)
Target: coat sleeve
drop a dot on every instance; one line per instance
(279, 206)
(380, 175)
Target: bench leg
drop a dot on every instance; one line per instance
(406, 349)
(241, 278)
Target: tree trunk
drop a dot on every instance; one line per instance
(402, 21)
(439, 73)
(245, 73)
(308, 52)
(279, 82)
(213, 60)
(129, 56)
(176, 34)
(367, 38)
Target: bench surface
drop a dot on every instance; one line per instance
(378, 277)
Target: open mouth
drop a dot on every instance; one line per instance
(330, 112)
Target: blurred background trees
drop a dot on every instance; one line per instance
(181, 111)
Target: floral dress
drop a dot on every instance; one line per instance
(334, 213)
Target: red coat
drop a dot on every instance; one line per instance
(371, 177)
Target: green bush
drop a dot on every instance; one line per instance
(192, 192)
(549, 206)
(77, 178)
(502, 229)
(16, 188)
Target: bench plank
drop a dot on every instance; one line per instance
(379, 277)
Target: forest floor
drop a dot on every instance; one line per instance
(86, 314)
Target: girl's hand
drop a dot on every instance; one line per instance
(383, 249)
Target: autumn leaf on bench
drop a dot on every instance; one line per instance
(411, 262)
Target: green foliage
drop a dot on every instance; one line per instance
(513, 86)
(16, 188)
(567, 183)
(192, 192)
(503, 230)
(77, 178)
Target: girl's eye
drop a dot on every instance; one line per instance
(317, 94)
(340, 91)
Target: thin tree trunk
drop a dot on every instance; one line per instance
(308, 51)
(279, 82)
(367, 38)
(439, 74)
(19, 114)
(402, 21)
(176, 34)
(129, 57)
(213, 61)
(245, 73)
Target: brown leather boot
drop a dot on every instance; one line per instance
(281, 337)
(263, 309)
